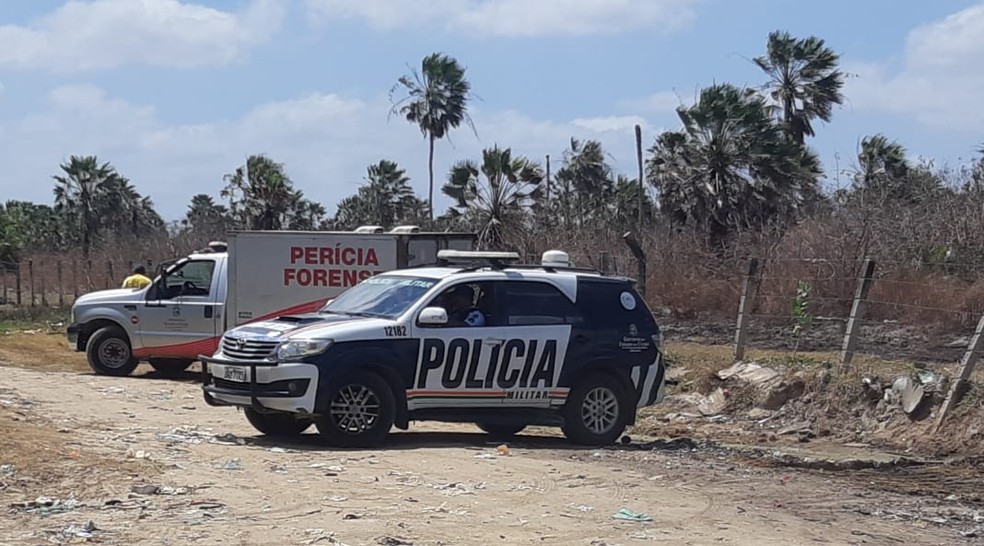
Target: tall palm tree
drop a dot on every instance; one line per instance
(730, 166)
(78, 192)
(436, 100)
(205, 217)
(495, 195)
(803, 80)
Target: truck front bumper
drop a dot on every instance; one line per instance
(263, 385)
(72, 332)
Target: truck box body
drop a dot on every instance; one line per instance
(275, 273)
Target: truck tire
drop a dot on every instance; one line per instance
(278, 425)
(501, 431)
(597, 411)
(360, 411)
(170, 367)
(108, 352)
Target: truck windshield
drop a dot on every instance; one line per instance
(383, 296)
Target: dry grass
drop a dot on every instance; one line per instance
(40, 351)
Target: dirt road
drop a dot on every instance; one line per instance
(145, 461)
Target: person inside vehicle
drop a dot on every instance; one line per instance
(138, 279)
(459, 303)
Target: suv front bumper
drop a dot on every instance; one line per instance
(268, 386)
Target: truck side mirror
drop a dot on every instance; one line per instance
(433, 316)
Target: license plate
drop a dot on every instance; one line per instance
(234, 374)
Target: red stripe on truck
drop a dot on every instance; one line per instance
(208, 346)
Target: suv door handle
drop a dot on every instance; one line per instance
(208, 311)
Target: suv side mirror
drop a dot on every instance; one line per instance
(433, 316)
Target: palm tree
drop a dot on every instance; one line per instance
(730, 166)
(205, 217)
(587, 173)
(885, 172)
(436, 101)
(385, 199)
(78, 193)
(261, 196)
(803, 80)
(495, 195)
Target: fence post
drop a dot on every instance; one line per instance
(61, 287)
(17, 284)
(30, 276)
(857, 310)
(3, 274)
(109, 273)
(44, 288)
(88, 276)
(640, 258)
(966, 368)
(603, 259)
(75, 280)
(745, 307)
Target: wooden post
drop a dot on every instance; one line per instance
(548, 178)
(3, 273)
(640, 258)
(966, 368)
(604, 261)
(109, 274)
(745, 308)
(857, 310)
(61, 286)
(17, 284)
(75, 280)
(88, 276)
(30, 277)
(638, 135)
(44, 288)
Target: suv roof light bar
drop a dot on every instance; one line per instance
(492, 258)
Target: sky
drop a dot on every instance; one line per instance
(177, 93)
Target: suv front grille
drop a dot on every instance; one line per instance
(247, 349)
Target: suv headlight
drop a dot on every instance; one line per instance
(296, 350)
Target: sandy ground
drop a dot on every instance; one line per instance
(139, 460)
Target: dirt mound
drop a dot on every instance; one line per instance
(786, 401)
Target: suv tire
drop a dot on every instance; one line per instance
(597, 411)
(108, 352)
(359, 411)
(170, 367)
(278, 425)
(501, 431)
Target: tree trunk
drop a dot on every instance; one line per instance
(430, 173)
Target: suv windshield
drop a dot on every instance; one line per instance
(384, 296)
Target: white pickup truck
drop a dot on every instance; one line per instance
(260, 275)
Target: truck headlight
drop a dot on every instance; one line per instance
(296, 350)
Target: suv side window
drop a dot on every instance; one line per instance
(481, 298)
(614, 306)
(531, 303)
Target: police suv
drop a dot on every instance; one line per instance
(475, 338)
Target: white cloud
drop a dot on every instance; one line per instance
(325, 141)
(515, 18)
(102, 34)
(662, 102)
(940, 77)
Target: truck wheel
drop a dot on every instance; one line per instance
(501, 431)
(170, 367)
(596, 412)
(281, 425)
(108, 352)
(360, 411)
